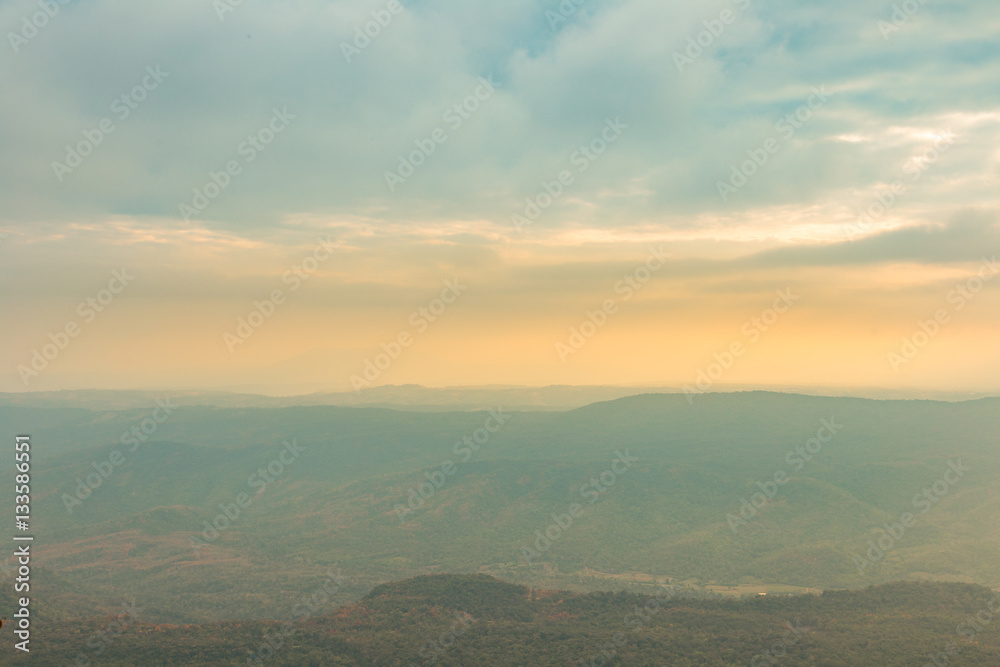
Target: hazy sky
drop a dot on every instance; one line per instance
(115, 113)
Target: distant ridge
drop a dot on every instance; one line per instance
(414, 397)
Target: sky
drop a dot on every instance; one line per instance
(302, 195)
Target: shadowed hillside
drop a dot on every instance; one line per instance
(457, 621)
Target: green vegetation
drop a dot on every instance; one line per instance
(475, 620)
(665, 518)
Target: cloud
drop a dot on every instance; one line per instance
(967, 237)
(558, 83)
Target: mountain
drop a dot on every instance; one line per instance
(678, 509)
(398, 397)
(416, 397)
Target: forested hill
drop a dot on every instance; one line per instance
(467, 620)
